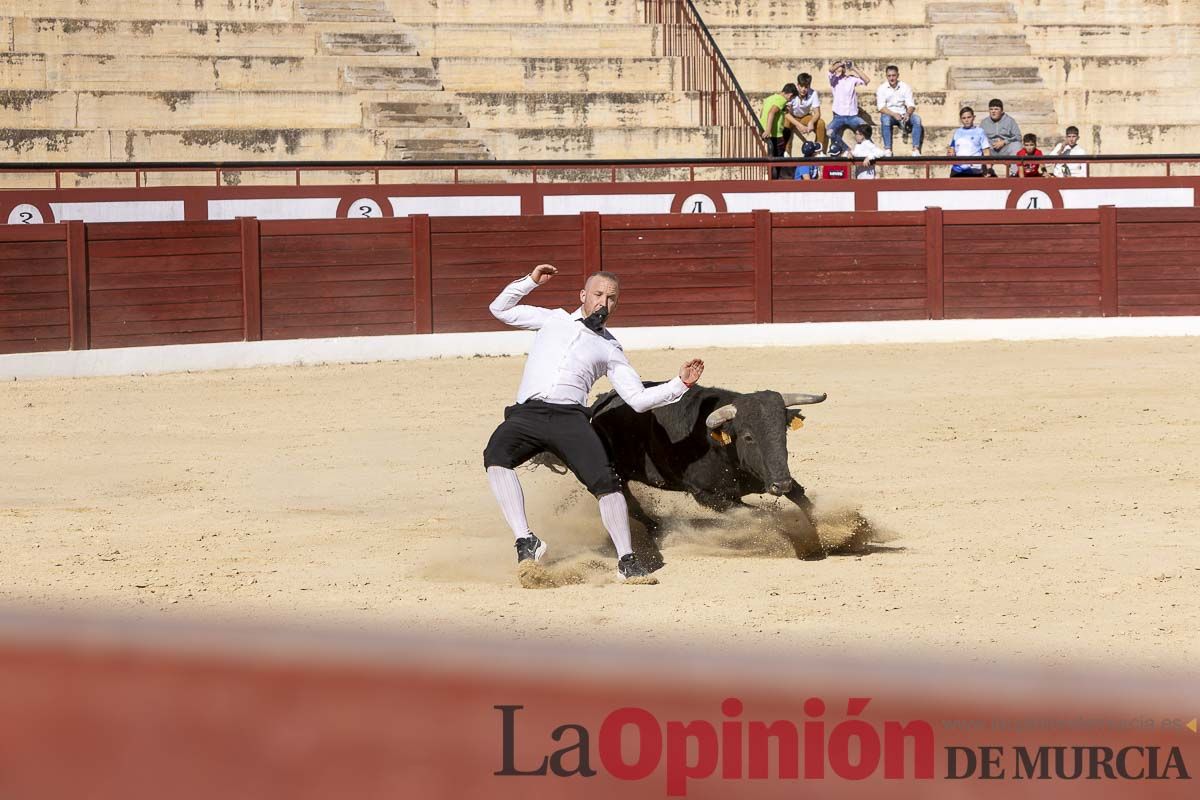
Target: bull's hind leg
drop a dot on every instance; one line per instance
(804, 539)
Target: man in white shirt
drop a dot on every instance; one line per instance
(569, 354)
(896, 109)
(1070, 147)
(804, 114)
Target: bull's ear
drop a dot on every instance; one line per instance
(795, 419)
(720, 437)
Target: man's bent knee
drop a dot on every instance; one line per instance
(604, 484)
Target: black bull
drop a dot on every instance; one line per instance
(715, 444)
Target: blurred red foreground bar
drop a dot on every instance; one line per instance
(112, 709)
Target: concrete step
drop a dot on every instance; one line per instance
(792, 14)
(527, 11)
(1030, 109)
(593, 110)
(551, 143)
(497, 39)
(1094, 39)
(993, 78)
(194, 110)
(982, 44)
(438, 150)
(392, 78)
(409, 115)
(1111, 12)
(823, 44)
(157, 37)
(230, 144)
(368, 44)
(1103, 72)
(984, 13)
(213, 10)
(517, 73)
(345, 11)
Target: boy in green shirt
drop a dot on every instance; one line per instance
(772, 118)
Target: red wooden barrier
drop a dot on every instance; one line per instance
(114, 285)
(474, 257)
(1022, 264)
(682, 269)
(154, 283)
(1158, 261)
(860, 266)
(35, 306)
(337, 278)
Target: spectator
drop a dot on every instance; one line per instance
(772, 118)
(804, 113)
(806, 172)
(844, 79)
(1002, 131)
(867, 150)
(896, 110)
(1030, 170)
(1070, 147)
(968, 141)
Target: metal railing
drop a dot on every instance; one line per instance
(722, 103)
(588, 170)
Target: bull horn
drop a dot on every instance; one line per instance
(719, 417)
(798, 399)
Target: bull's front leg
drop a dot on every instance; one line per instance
(797, 495)
(638, 512)
(804, 539)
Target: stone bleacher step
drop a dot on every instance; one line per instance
(407, 115)
(368, 44)
(975, 44)
(993, 77)
(345, 11)
(392, 78)
(438, 150)
(1031, 110)
(970, 12)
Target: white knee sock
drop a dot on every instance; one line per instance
(615, 514)
(507, 490)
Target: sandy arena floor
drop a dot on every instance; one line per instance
(1033, 500)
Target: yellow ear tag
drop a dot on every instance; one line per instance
(721, 437)
(796, 424)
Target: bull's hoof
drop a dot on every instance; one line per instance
(808, 549)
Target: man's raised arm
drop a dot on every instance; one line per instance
(505, 308)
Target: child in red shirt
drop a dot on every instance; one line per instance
(1031, 149)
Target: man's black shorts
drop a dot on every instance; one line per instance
(535, 426)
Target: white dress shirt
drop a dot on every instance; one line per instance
(567, 358)
(1069, 170)
(897, 99)
(802, 107)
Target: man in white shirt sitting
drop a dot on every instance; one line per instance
(1070, 147)
(897, 110)
(804, 114)
(569, 354)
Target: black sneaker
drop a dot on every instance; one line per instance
(530, 548)
(628, 567)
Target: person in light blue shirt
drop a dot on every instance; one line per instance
(968, 141)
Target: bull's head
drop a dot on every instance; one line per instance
(756, 425)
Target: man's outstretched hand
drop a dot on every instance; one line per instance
(691, 371)
(543, 272)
